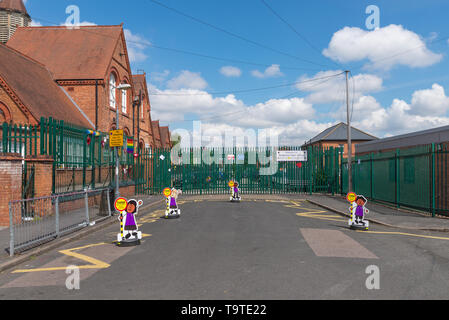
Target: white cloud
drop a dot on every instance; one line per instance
(136, 46)
(384, 47)
(230, 71)
(159, 76)
(35, 23)
(270, 72)
(333, 89)
(398, 118)
(81, 24)
(170, 105)
(430, 102)
(187, 80)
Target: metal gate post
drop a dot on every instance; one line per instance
(86, 202)
(57, 216)
(11, 232)
(109, 202)
(433, 180)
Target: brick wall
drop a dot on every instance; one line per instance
(16, 114)
(43, 171)
(11, 182)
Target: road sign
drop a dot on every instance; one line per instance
(120, 204)
(231, 184)
(291, 155)
(231, 157)
(351, 197)
(167, 192)
(116, 138)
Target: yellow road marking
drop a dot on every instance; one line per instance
(406, 234)
(94, 263)
(318, 216)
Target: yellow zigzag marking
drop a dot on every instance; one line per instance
(94, 263)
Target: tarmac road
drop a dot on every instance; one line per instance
(262, 249)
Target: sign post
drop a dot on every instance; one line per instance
(116, 140)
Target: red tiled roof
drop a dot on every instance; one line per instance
(33, 84)
(71, 54)
(165, 137)
(156, 133)
(13, 5)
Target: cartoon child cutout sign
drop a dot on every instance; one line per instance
(235, 191)
(130, 224)
(359, 211)
(129, 231)
(172, 210)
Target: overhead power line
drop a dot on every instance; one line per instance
(180, 51)
(247, 90)
(294, 30)
(234, 34)
(236, 113)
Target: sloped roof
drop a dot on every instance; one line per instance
(70, 54)
(34, 86)
(425, 137)
(156, 133)
(165, 137)
(13, 5)
(339, 132)
(139, 83)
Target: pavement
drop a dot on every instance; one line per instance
(384, 214)
(379, 214)
(261, 249)
(100, 222)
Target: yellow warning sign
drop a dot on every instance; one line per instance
(351, 197)
(231, 184)
(167, 192)
(120, 204)
(116, 138)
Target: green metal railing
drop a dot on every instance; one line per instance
(209, 170)
(80, 159)
(413, 177)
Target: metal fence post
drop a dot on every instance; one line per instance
(11, 232)
(433, 180)
(57, 216)
(86, 202)
(398, 179)
(109, 203)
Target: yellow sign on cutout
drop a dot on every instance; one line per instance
(116, 138)
(231, 184)
(120, 204)
(351, 197)
(167, 192)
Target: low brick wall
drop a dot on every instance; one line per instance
(11, 182)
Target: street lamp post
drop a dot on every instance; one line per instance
(122, 87)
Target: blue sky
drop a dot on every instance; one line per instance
(399, 70)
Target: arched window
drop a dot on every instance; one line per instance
(124, 101)
(112, 91)
(2, 117)
(5, 115)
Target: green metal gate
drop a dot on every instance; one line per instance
(209, 170)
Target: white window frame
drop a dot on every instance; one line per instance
(124, 101)
(112, 91)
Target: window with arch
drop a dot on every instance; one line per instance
(2, 116)
(112, 91)
(124, 100)
(5, 115)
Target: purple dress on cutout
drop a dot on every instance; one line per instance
(236, 191)
(130, 222)
(173, 203)
(359, 211)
